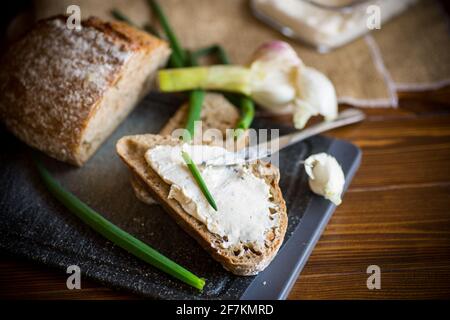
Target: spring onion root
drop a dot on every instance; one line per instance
(196, 98)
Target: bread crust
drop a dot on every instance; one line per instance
(131, 150)
(53, 81)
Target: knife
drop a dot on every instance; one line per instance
(265, 149)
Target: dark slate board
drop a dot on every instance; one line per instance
(35, 226)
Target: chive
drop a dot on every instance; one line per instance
(114, 233)
(196, 98)
(247, 113)
(198, 177)
(247, 107)
(178, 52)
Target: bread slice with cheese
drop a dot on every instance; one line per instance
(63, 91)
(217, 113)
(242, 259)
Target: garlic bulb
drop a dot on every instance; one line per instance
(280, 80)
(276, 79)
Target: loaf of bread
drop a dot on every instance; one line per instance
(243, 259)
(64, 91)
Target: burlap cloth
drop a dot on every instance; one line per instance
(410, 52)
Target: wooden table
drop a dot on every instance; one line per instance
(396, 214)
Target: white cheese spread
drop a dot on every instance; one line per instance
(243, 199)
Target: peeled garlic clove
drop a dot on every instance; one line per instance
(316, 95)
(326, 177)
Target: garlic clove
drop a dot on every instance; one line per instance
(316, 95)
(326, 177)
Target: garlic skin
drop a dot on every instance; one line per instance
(326, 177)
(281, 82)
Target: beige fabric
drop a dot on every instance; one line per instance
(416, 46)
(413, 48)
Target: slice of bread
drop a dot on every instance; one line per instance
(140, 190)
(243, 259)
(64, 91)
(217, 113)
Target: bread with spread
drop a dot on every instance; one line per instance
(64, 91)
(221, 233)
(217, 113)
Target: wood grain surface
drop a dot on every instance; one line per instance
(396, 214)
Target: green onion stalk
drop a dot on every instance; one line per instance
(199, 179)
(114, 233)
(196, 97)
(179, 55)
(218, 77)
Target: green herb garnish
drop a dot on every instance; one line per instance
(247, 113)
(115, 234)
(196, 98)
(178, 53)
(199, 179)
